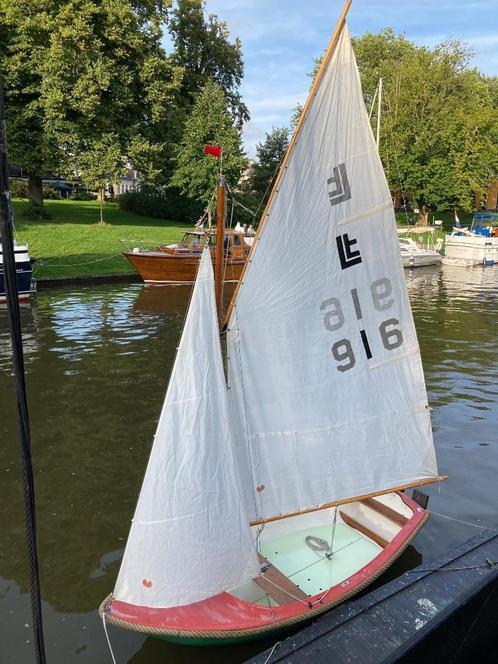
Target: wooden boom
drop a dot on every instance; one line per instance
(307, 106)
(345, 501)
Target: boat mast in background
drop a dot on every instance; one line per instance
(379, 110)
(377, 98)
(220, 232)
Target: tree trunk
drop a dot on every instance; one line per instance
(35, 191)
(101, 201)
(423, 216)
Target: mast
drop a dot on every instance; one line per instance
(379, 102)
(325, 61)
(220, 233)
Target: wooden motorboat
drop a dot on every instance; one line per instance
(276, 491)
(178, 263)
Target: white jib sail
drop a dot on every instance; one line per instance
(325, 375)
(190, 538)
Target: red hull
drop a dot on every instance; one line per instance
(227, 617)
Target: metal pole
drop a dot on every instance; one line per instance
(9, 270)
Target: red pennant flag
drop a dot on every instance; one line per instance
(213, 150)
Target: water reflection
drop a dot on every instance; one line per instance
(98, 362)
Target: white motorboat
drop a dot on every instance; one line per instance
(414, 256)
(477, 245)
(24, 273)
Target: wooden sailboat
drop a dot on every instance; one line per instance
(271, 499)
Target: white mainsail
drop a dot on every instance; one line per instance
(325, 376)
(190, 538)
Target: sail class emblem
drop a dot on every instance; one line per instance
(339, 190)
(347, 255)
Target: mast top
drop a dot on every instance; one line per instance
(311, 95)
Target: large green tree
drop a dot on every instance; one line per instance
(210, 123)
(87, 83)
(270, 154)
(25, 38)
(202, 47)
(439, 125)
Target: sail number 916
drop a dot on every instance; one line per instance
(334, 319)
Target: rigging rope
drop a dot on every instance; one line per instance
(332, 535)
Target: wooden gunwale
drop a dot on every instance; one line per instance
(354, 499)
(325, 61)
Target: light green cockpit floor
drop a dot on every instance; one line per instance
(312, 571)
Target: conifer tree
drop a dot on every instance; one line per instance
(210, 123)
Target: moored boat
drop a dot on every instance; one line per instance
(24, 273)
(414, 256)
(275, 492)
(477, 245)
(178, 263)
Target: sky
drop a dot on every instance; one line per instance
(280, 39)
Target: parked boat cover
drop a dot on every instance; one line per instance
(325, 376)
(190, 538)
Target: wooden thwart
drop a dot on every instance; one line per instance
(278, 586)
(386, 511)
(349, 521)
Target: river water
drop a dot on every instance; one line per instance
(98, 360)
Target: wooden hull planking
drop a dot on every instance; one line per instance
(162, 268)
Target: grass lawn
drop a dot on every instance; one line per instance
(446, 217)
(72, 244)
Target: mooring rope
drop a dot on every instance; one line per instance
(271, 652)
(95, 260)
(466, 523)
(107, 637)
(489, 564)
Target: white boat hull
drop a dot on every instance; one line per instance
(469, 247)
(421, 259)
(414, 256)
